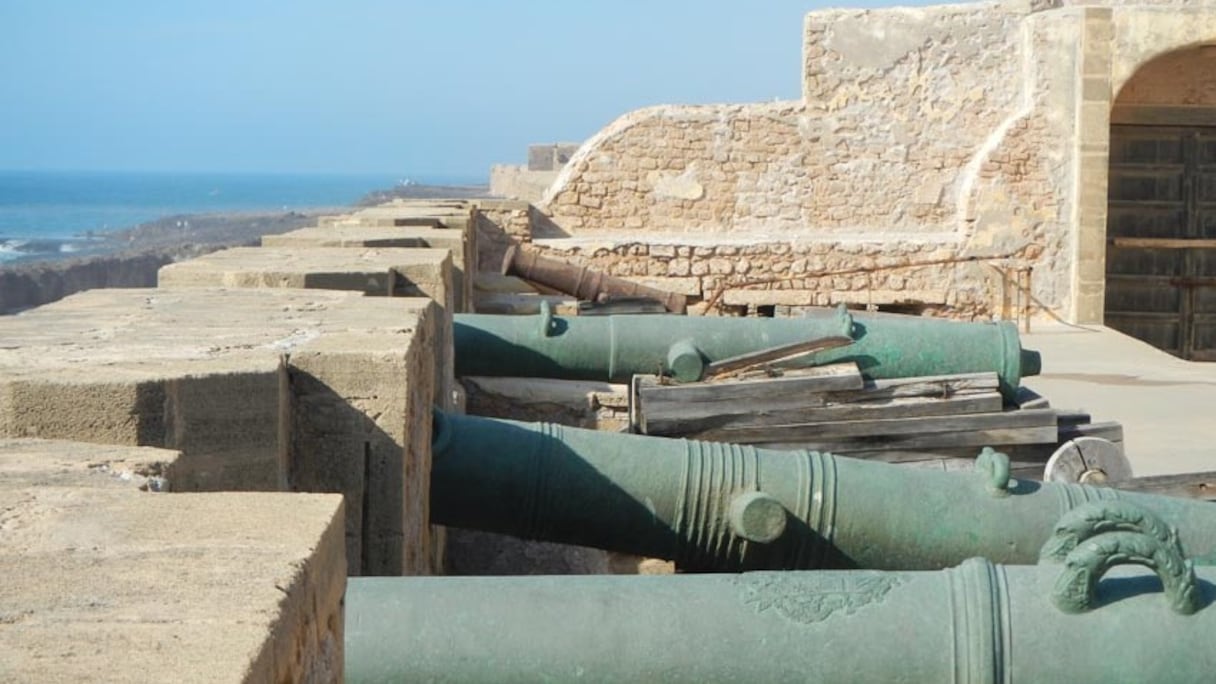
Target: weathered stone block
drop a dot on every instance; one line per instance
(155, 372)
(690, 287)
(54, 463)
(361, 425)
(541, 158)
(117, 586)
(374, 271)
(213, 374)
(767, 297)
(455, 214)
(461, 244)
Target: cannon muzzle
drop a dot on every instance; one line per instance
(724, 507)
(614, 348)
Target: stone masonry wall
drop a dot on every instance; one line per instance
(502, 223)
(908, 275)
(895, 106)
(519, 183)
(973, 137)
(916, 170)
(1182, 78)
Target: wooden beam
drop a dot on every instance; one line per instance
(883, 429)
(837, 383)
(1186, 485)
(686, 420)
(1162, 115)
(794, 388)
(1164, 243)
(942, 386)
(771, 355)
(806, 396)
(977, 439)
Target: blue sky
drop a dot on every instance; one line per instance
(444, 87)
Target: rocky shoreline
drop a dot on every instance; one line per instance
(131, 257)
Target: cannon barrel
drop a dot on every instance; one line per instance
(583, 282)
(725, 507)
(613, 348)
(1060, 620)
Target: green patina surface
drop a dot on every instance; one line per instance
(1091, 616)
(614, 348)
(696, 502)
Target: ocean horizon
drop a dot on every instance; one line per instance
(56, 214)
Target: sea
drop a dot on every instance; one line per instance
(56, 214)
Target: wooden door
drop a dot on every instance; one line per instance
(1161, 237)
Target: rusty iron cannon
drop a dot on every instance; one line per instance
(582, 282)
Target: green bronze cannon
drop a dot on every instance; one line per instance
(1081, 615)
(725, 507)
(614, 348)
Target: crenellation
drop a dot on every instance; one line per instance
(218, 375)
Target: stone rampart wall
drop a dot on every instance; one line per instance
(978, 131)
(924, 137)
(519, 182)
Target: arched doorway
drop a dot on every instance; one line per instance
(1161, 215)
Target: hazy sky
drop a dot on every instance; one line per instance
(400, 86)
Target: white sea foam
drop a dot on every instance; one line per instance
(13, 249)
(10, 249)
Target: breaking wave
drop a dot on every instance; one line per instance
(13, 249)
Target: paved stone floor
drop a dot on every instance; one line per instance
(1167, 406)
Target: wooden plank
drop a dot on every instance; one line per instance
(787, 388)
(1149, 279)
(660, 423)
(926, 386)
(660, 407)
(985, 380)
(996, 438)
(853, 390)
(1163, 115)
(1186, 485)
(774, 354)
(1126, 204)
(1164, 243)
(683, 409)
(1193, 281)
(1036, 450)
(1143, 316)
(822, 431)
